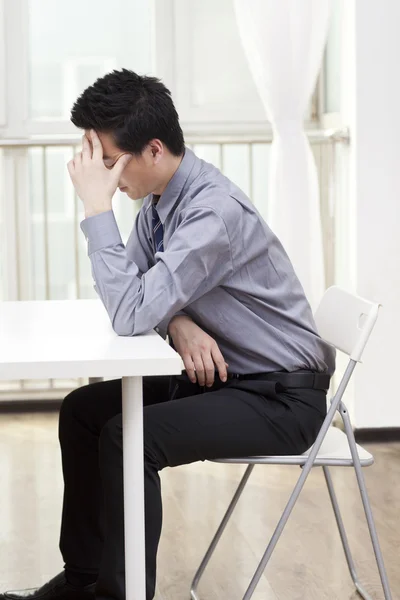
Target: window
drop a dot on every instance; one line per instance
(72, 43)
(50, 52)
(54, 50)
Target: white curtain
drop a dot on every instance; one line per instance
(284, 42)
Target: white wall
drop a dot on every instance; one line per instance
(371, 107)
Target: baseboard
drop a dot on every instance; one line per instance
(11, 406)
(381, 435)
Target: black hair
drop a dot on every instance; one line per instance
(134, 109)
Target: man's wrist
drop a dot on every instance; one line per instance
(174, 323)
(92, 212)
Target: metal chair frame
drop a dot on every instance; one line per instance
(346, 321)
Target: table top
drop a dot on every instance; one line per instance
(74, 338)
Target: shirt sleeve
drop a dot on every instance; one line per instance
(197, 259)
(138, 246)
(140, 250)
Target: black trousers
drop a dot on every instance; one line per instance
(231, 419)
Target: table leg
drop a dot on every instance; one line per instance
(132, 423)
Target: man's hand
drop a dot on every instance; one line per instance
(199, 351)
(95, 184)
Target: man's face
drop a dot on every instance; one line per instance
(139, 178)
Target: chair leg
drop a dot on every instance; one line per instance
(219, 532)
(366, 502)
(279, 528)
(306, 468)
(363, 593)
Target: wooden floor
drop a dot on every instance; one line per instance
(308, 563)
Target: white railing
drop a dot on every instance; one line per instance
(43, 252)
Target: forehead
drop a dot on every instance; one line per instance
(109, 148)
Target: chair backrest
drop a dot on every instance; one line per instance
(346, 320)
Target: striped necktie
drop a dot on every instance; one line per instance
(158, 231)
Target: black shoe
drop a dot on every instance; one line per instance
(57, 588)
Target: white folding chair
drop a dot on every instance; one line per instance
(345, 321)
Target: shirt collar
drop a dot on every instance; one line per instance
(179, 182)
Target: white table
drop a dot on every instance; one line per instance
(71, 339)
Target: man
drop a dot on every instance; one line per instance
(201, 264)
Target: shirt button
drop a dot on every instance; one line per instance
(157, 329)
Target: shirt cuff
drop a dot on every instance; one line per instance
(162, 328)
(101, 231)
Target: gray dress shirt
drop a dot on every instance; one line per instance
(221, 265)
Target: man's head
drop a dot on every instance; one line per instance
(133, 114)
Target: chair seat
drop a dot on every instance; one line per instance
(334, 451)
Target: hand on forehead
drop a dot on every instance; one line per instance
(92, 136)
(96, 145)
(101, 147)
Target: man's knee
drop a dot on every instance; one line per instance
(73, 400)
(80, 408)
(70, 408)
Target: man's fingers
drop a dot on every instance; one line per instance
(86, 149)
(209, 368)
(77, 161)
(198, 363)
(189, 367)
(71, 167)
(97, 147)
(219, 363)
(121, 164)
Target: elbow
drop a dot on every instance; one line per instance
(129, 327)
(123, 330)
(123, 327)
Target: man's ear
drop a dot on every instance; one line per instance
(156, 150)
